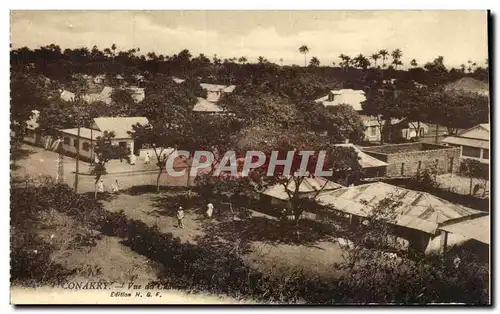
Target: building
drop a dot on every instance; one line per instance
(416, 220)
(215, 91)
(205, 106)
(403, 129)
(371, 166)
(275, 198)
(474, 143)
(469, 85)
(119, 125)
(104, 95)
(406, 160)
(351, 97)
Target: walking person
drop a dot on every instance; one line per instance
(100, 186)
(180, 217)
(115, 187)
(210, 210)
(147, 159)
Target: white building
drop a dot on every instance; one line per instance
(475, 143)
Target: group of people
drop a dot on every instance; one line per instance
(180, 214)
(115, 187)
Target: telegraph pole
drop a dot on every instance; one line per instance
(77, 159)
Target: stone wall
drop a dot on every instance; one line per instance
(412, 161)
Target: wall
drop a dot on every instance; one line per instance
(411, 159)
(72, 150)
(144, 151)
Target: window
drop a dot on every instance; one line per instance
(402, 169)
(86, 146)
(122, 144)
(421, 132)
(486, 154)
(373, 130)
(468, 151)
(75, 142)
(66, 141)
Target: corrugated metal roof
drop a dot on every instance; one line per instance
(218, 87)
(418, 210)
(365, 161)
(119, 125)
(477, 228)
(84, 133)
(462, 141)
(309, 185)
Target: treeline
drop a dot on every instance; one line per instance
(355, 72)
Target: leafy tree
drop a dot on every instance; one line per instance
(105, 151)
(341, 159)
(346, 61)
(304, 49)
(381, 106)
(472, 169)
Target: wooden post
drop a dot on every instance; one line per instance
(436, 140)
(444, 241)
(77, 159)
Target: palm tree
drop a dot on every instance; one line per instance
(242, 60)
(304, 50)
(346, 60)
(281, 61)
(383, 53)
(361, 61)
(261, 59)
(375, 57)
(314, 62)
(462, 68)
(413, 63)
(396, 56)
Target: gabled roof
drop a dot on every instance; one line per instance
(365, 161)
(350, 97)
(84, 133)
(204, 105)
(218, 87)
(119, 125)
(418, 210)
(469, 85)
(478, 136)
(477, 229)
(309, 185)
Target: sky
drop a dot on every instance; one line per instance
(458, 36)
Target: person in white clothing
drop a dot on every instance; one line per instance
(147, 159)
(210, 210)
(100, 186)
(115, 187)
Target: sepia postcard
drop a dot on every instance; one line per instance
(249, 157)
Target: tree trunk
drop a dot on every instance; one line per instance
(158, 181)
(188, 180)
(95, 190)
(470, 186)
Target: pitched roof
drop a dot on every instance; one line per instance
(309, 185)
(84, 133)
(137, 93)
(218, 87)
(204, 105)
(469, 85)
(177, 80)
(365, 161)
(350, 97)
(67, 95)
(418, 210)
(462, 141)
(478, 229)
(119, 125)
(478, 136)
